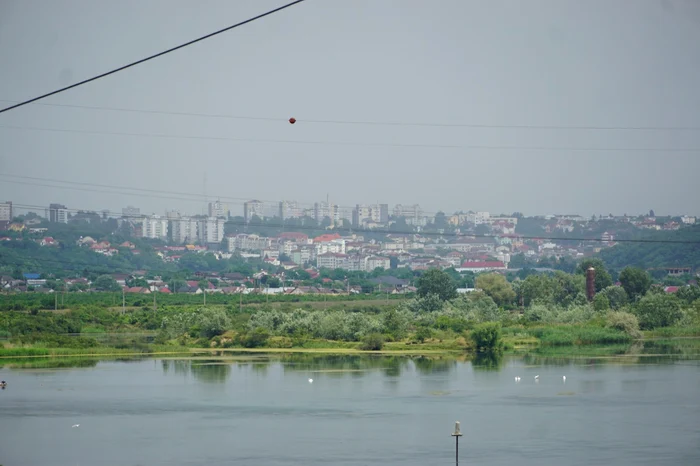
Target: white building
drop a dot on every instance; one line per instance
(210, 229)
(155, 226)
(417, 221)
(58, 213)
(477, 218)
(326, 209)
(289, 209)
(217, 209)
(184, 230)
(686, 219)
(372, 262)
(6, 212)
(253, 208)
(131, 211)
(408, 211)
(286, 247)
(336, 246)
(351, 262)
(303, 255)
(244, 242)
(331, 261)
(492, 220)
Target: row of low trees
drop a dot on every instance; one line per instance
(560, 297)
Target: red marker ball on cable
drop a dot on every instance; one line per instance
(292, 120)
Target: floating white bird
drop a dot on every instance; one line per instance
(75, 425)
(311, 380)
(517, 379)
(564, 378)
(537, 377)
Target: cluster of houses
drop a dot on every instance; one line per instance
(210, 283)
(462, 248)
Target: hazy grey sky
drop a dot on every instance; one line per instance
(497, 62)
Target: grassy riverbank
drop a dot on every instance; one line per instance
(546, 340)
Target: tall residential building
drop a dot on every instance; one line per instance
(184, 230)
(408, 211)
(58, 213)
(326, 209)
(155, 226)
(217, 209)
(289, 209)
(172, 214)
(377, 213)
(6, 212)
(131, 211)
(383, 213)
(252, 208)
(210, 229)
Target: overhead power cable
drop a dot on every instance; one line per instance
(359, 143)
(388, 231)
(143, 60)
(372, 123)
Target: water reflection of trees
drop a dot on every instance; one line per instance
(358, 365)
(491, 361)
(641, 351)
(208, 371)
(434, 365)
(49, 363)
(342, 364)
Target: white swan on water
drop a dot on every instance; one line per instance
(563, 378)
(75, 425)
(517, 378)
(311, 380)
(537, 377)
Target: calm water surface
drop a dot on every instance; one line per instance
(357, 411)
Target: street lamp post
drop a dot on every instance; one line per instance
(457, 434)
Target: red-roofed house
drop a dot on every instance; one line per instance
(137, 289)
(326, 238)
(294, 236)
(48, 241)
(671, 289)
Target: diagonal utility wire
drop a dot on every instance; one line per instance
(143, 60)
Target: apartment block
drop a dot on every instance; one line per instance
(289, 209)
(210, 229)
(6, 211)
(131, 211)
(217, 209)
(253, 208)
(184, 230)
(58, 213)
(155, 226)
(244, 242)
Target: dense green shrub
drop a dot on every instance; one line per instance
(658, 310)
(423, 333)
(212, 322)
(623, 321)
(372, 342)
(256, 338)
(617, 296)
(601, 303)
(538, 313)
(52, 340)
(487, 337)
(576, 335)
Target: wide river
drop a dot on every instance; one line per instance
(357, 410)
